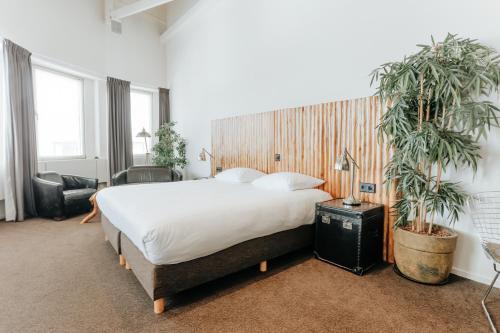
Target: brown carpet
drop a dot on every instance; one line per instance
(63, 277)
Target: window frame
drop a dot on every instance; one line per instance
(82, 114)
(144, 91)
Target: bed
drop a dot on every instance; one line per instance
(175, 236)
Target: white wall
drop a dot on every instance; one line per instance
(72, 34)
(176, 9)
(229, 58)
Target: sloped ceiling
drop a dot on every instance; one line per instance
(158, 13)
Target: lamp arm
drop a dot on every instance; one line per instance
(206, 151)
(353, 161)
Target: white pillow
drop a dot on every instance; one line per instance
(239, 175)
(287, 181)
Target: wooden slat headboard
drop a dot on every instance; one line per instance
(308, 140)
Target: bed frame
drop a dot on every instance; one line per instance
(161, 281)
(305, 139)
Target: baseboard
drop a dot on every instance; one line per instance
(2, 210)
(475, 277)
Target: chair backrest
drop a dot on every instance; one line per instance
(148, 174)
(485, 212)
(51, 176)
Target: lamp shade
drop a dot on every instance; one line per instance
(202, 156)
(143, 134)
(342, 162)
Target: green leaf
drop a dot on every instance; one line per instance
(460, 72)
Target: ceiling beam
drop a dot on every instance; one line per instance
(136, 8)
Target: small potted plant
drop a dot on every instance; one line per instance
(170, 151)
(436, 112)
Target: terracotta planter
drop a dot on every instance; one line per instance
(423, 258)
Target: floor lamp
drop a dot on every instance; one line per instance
(144, 134)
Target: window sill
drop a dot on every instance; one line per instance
(63, 158)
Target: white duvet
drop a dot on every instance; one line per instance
(176, 222)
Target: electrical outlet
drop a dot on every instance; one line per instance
(368, 188)
(277, 157)
(218, 169)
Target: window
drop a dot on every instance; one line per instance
(59, 110)
(141, 109)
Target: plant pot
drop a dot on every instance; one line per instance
(424, 258)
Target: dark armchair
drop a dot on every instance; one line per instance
(60, 196)
(145, 174)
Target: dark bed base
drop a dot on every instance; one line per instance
(160, 281)
(112, 234)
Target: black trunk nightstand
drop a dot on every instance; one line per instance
(350, 237)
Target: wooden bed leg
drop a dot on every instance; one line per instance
(159, 305)
(127, 266)
(263, 266)
(122, 260)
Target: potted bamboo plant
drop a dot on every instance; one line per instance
(436, 112)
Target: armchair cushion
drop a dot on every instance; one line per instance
(51, 176)
(148, 174)
(77, 201)
(75, 195)
(77, 182)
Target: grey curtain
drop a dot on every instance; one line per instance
(119, 126)
(20, 133)
(164, 106)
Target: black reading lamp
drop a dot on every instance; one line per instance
(346, 162)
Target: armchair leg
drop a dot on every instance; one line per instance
(483, 301)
